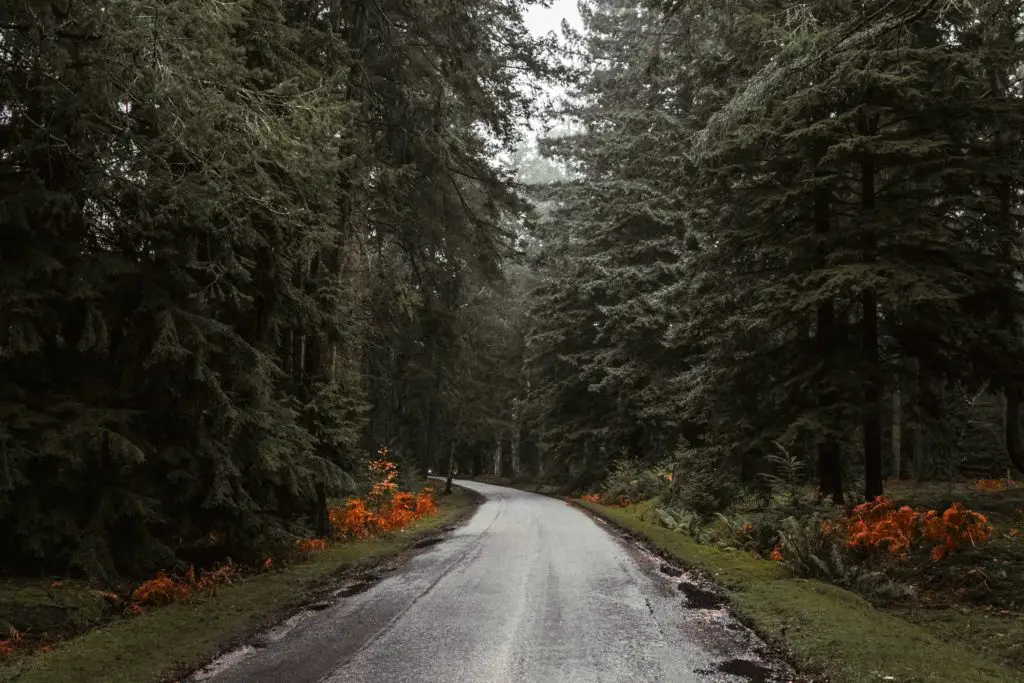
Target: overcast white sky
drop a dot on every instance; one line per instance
(543, 20)
(540, 20)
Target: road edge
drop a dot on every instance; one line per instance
(811, 666)
(362, 575)
(775, 650)
(236, 618)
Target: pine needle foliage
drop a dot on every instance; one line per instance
(780, 219)
(206, 212)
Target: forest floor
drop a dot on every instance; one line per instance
(87, 642)
(964, 622)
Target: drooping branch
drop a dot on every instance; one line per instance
(777, 77)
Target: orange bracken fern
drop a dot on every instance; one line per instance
(955, 529)
(385, 509)
(161, 590)
(164, 589)
(311, 545)
(879, 526)
(425, 503)
(994, 484)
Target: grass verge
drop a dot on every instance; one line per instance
(823, 629)
(165, 643)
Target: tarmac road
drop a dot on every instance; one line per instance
(529, 590)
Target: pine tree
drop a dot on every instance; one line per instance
(189, 192)
(826, 209)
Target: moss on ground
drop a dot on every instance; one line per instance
(164, 642)
(51, 606)
(823, 628)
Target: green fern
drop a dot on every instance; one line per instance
(790, 472)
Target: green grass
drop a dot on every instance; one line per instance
(823, 628)
(43, 606)
(167, 641)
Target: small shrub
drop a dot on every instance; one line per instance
(731, 533)
(682, 520)
(954, 529)
(879, 526)
(789, 475)
(354, 520)
(765, 525)
(809, 551)
(814, 548)
(425, 503)
(704, 482)
(629, 481)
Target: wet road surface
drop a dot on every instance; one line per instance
(529, 590)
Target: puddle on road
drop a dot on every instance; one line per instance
(356, 588)
(700, 598)
(752, 671)
(742, 668)
(669, 570)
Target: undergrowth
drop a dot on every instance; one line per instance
(383, 510)
(927, 549)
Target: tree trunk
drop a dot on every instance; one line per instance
(451, 469)
(497, 457)
(322, 528)
(830, 472)
(927, 410)
(514, 449)
(1011, 419)
(541, 470)
(912, 419)
(1014, 441)
(873, 482)
(897, 433)
(286, 352)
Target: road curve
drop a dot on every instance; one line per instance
(529, 590)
